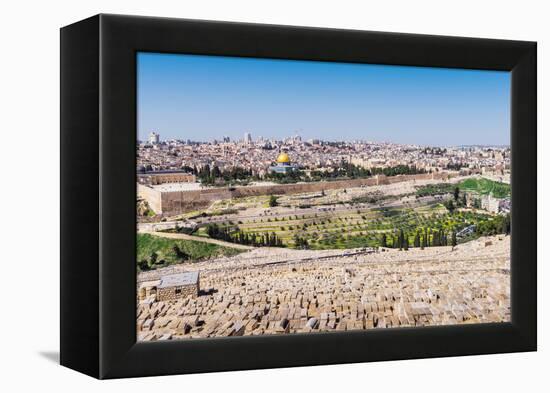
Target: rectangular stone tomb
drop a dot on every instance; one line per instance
(171, 287)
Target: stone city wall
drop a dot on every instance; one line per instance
(301, 187)
(181, 201)
(152, 196)
(424, 176)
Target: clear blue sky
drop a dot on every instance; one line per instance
(207, 97)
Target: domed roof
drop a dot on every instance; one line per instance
(283, 158)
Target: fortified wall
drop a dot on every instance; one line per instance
(152, 196)
(170, 202)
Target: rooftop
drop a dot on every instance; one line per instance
(163, 172)
(283, 158)
(177, 186)
(174, 280)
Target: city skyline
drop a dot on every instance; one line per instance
(202, 98)
(256, 138)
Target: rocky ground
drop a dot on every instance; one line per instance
(281, 291)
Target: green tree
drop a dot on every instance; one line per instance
(416, 240)
(477, 203)
(300, 242)
(450, 206)
(464, 201)
(383, 240)
(216, 172)
(456, 193)
(143, 265)
(435, 239)
(506, 225)
(179, 253)
(272, 201)
(273, 239)
(401, 239)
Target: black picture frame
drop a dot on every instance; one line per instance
(98, 223)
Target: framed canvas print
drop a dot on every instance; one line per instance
(238, 196)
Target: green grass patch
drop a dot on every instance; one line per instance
(479, 186)
(154, 252)
(484, 186)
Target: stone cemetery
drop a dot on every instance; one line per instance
(283, 291)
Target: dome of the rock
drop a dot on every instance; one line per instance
(283, 158)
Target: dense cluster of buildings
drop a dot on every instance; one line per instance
(171, 173)
(262, 156)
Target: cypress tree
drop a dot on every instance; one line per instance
(383, 240)
(417, 240)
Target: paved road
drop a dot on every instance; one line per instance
(183, 236)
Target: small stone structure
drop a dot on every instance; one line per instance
(170, 287)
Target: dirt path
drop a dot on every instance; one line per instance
(183, 236)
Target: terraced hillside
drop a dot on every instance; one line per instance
(414, 214)
(351, 226)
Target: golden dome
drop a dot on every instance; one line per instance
(283, 158)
